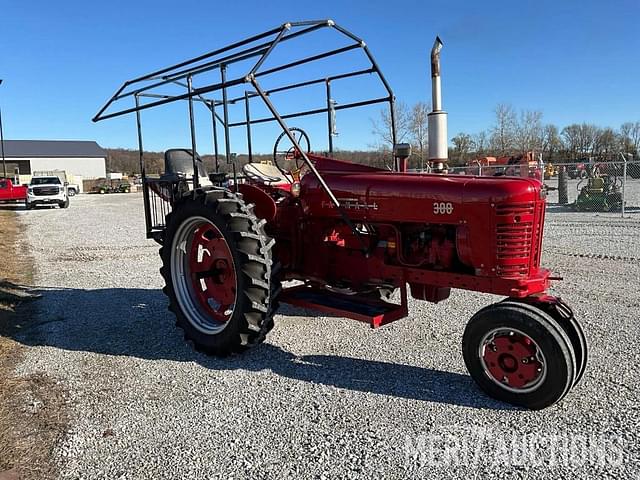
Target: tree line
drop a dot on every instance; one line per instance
(512, 132)
(128, 161)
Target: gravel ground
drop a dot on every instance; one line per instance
(323, 397)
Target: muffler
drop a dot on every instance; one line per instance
(438, 143)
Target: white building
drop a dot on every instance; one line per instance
(81, 160)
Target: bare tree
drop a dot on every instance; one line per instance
(462, 145)
(381, 127)
(550, 142)
(481, 143)
(630, 133)
(607, 144)
(571, 140)
(580, 140)
(418, 129)
(503, 132)
(528, 131)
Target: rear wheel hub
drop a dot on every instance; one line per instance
(204, 274)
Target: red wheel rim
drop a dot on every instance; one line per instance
(204, 275)
(513, 360)
(212, 272)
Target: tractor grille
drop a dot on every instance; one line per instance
(526, 208)
(45, 191)
(513, 248)
(537, 236)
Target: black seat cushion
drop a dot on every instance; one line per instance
(180, 161)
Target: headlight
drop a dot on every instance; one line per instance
(30, 190)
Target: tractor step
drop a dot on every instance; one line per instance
(357, 307)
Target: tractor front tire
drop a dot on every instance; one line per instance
(64, 204)
(571, 326)
(519, 355)
(216, 263)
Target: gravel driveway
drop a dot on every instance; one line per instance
(323, 397)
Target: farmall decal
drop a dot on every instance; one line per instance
(352, 204)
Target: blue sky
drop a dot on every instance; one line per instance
(574, 60)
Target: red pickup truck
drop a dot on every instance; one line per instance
(10, 192)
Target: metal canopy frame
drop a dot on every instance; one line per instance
(260, 47)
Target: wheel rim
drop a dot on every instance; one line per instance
(512, 360)
(203, 274)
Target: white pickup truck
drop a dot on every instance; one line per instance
(47, 190)
(72, 188)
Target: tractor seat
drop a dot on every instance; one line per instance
(180, 161)
(597, 185)
(266, 174)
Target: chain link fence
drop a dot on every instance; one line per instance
(593, 209)
(611, 188)
(597, 187)
(593, 212)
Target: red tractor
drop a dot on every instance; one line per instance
(351, 235)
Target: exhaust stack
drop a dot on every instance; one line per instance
(438, 144)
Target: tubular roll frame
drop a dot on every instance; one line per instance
(260, 47)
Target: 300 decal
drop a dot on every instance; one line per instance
(442, 208)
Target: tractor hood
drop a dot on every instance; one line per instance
(410, 197)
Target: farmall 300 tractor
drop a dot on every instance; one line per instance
(350, 234)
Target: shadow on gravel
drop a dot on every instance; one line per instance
(13, 207)
(135, 323)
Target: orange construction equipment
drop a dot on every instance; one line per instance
(524, 165)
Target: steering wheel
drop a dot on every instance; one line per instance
(285, 150)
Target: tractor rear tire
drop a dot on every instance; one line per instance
(519, 355)
(217, 267)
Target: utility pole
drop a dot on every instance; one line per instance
(4, 163)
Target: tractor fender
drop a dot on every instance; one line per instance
(265, 206)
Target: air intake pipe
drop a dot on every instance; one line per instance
(438, 144)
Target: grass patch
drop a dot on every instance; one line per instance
(32, 414)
